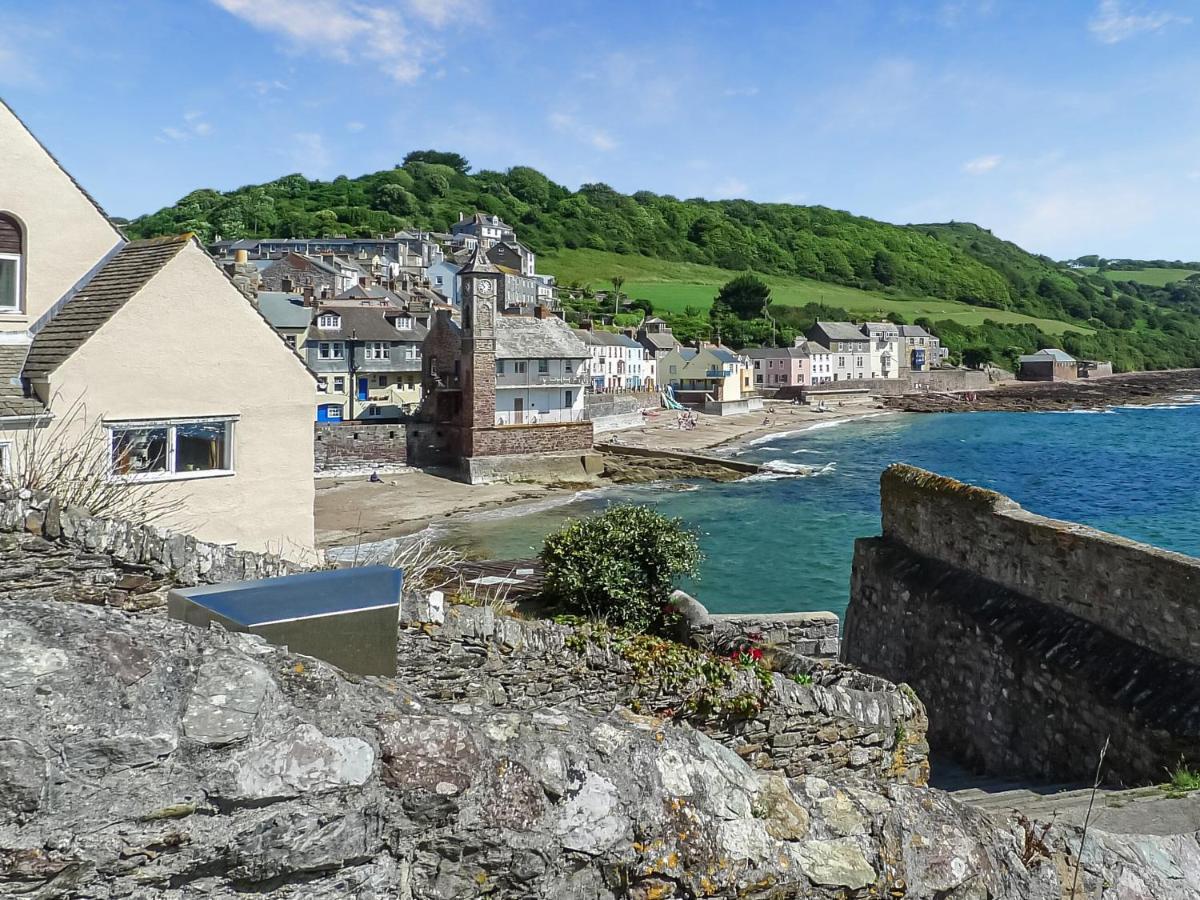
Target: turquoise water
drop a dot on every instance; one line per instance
(781, 541)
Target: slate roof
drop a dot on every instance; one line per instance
(661, 340)
(13, 401)
(914, 331)
(842, 331)
(523, 337)
(478, 262)
(284, 310)
(779, 352)
(372, 292)
(110, 288)
(1050, 353)
(367, 323)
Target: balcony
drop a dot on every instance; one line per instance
(717, 373)
(536, 417)
(533, 379)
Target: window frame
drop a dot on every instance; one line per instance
(327, 321)
(377, 351)
(171, 425)
(18, 306)
(336, 350)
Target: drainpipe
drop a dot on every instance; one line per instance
(353, 382)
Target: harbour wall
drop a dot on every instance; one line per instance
(1031, 641)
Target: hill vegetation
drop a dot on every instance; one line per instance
(957, 264)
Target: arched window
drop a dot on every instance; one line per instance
(12, 250)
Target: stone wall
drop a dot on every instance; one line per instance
(51, 553)
(551, 437)
(933, 380)
(837, 720)
(1030, 641)
(599, 406)
(1146, 595)
(801, 634)
(352, 445)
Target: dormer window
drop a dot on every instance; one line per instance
(404, 323)
(329, 320)
(12, 249)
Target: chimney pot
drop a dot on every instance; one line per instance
(241, 257)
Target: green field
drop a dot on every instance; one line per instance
(673, 286)
(1152, 277)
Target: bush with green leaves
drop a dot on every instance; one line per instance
(619, 566)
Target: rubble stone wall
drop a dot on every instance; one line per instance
(352, 444)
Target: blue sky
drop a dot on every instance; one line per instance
(1070, 126)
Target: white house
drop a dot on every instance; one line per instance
(541, 371)
(857, 353)
(616, 363)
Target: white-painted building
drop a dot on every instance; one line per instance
(857, 354)
(616, 362)
(541, 371)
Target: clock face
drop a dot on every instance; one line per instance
(484, 287)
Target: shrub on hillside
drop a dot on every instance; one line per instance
(619, 566)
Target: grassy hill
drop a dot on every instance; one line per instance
(1152, 277)
(672, 287)
(955, 273)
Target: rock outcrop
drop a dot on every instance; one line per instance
(143, 758)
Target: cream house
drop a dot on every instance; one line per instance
(148, 346)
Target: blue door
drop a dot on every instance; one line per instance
(329, 412)
(362, 388)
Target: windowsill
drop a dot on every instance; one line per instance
(153, 477)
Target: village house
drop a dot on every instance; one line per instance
(367, 356)
(503, 393)
(1050, 364)
(288, 314)
(655, 336)
(145, 353)
(712, 378)
(443, 278)
(920, 350)
(294, 272)
(484, 229)
(858, 352)
(617, 363)
(803, 365)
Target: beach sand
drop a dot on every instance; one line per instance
(351, 509)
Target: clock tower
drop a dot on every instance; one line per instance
(480, 290)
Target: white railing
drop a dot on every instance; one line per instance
(533, 379)
(538, 417)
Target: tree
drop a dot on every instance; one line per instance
(643, 304)
(883, 267)
(439, 158)
(976, 357)
(617, 282)
(619, 566)
(746, 296)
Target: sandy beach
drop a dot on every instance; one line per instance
(351, 509)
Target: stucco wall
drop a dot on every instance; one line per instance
(65, 235)
(189, 344)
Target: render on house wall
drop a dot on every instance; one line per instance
(189, 345)
(64, 239)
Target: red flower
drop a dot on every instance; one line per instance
(755, 654)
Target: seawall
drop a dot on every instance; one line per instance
(1030, 640)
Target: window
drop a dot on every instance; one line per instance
(290, 340)
(378, 350)
(403, 323)
(166, 449)
(328, 320)
(499, 367)
(543, 367)
(331, 350)
(339, 385)
(12, 247)
(322, 384)
(411, 353)
(519, 366)
(381, 381)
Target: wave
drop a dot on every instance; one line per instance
(775, 469)
(815, 426)
(806, 450)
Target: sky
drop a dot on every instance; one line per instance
(1069, 126)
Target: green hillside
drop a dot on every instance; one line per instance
(862, 263)
(672, 287)
(1152, 277)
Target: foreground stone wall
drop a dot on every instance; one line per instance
(142, 758)
(1001, 622)
(838, 720)
(931, 380)
(352, 445)
(51, 553)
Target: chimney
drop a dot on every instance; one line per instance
(288, 285)
(461, 216)
(308, 295)
(326, 293)
(540, 312)
(586, 324)
(240, 257)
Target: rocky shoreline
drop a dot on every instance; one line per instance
(1136, 388)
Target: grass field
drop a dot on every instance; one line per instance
(1152, 277)
(673, 286)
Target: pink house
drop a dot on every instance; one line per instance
(800, 366)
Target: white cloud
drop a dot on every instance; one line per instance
(981, 165)
(748, 91)
(729, 189)
(309, 153)
(565, 123)
(194, 125)
(1112, 23)
(394, 37)
(355, 126)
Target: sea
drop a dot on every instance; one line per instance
(783, 540)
